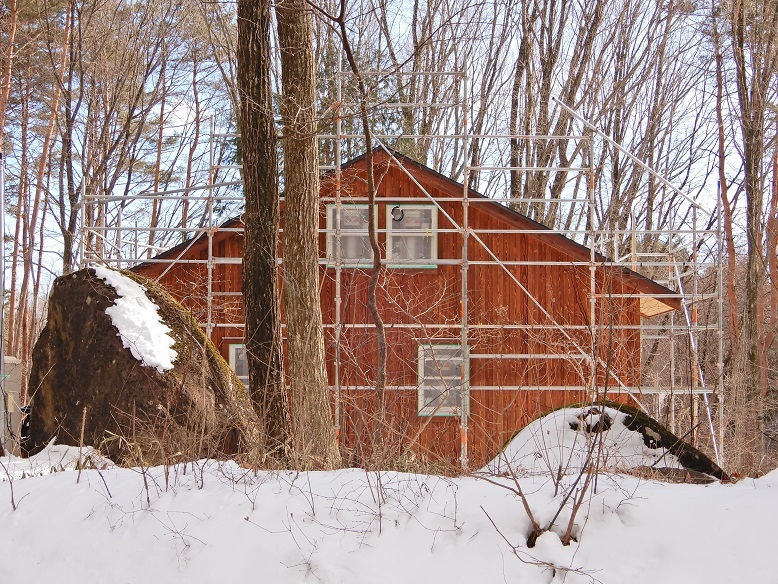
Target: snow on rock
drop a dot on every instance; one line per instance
(563, 439)
(137, 319)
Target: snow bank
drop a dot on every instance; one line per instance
(53, 458)
(208, 522)
(770, 479)
(137, 319)
(559, 440)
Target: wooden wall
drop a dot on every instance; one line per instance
(423, 300)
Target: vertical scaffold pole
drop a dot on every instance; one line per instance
(464, 386)
(338, 326)
(592, 267)
(720, 324)
(670, 276)
(3, 401)
(209, 264)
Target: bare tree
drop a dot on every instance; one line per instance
(755, 54)
(339, 20)
(727, 204)
(9, 27)
(313, 432)
(260, 175)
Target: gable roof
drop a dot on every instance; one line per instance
(655, 298)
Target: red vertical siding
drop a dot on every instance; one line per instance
(416, 302)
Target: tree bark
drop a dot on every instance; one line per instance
(8, 57)
(260, 174)
(156, 205)
(726, 206)
(755, 54)
(313, 431)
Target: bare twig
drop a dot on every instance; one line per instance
(81, 445)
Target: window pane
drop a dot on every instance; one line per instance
(411, 234)
(419, 218)
(441, 379)
(412, 247)
(355, 247)
(438, 369)
(442, 352)
(354, 239)
(353, 218)
(241, 365)
(442, 400)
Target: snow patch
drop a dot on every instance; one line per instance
(53, 458)
(137, 319)
(559, 441)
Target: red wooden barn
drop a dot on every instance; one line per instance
(491, 318)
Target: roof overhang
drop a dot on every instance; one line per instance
(650, 307)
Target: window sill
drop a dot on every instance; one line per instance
(441, 415)
(411, 266)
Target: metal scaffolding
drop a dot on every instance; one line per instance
(684, 254)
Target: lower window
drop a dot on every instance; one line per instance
(239, 363)
(443, 389)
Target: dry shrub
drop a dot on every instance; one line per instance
(165, 438)
(750, 423)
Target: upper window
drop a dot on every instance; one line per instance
(354, 240)
(239, 363)
(442, 380)
(411, 235)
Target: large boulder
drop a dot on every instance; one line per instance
(618, 437)
(153, 387)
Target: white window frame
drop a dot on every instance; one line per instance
(421, 232)
(346, 262)
(458, 388)
(233, 352)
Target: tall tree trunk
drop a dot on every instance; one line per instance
(260, 174)
(195, 139)
(766, 342)
(8, 56)
(28, 326)
(726, 206)
(156, 205)
(520, 75)
(69, 218)
(313, 430)
(755, 53)
(19, 319)
(377, 270)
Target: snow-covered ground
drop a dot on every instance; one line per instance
(208, 522)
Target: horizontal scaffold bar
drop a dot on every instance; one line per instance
(398, 327)
(664, 391)
(538, 138)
